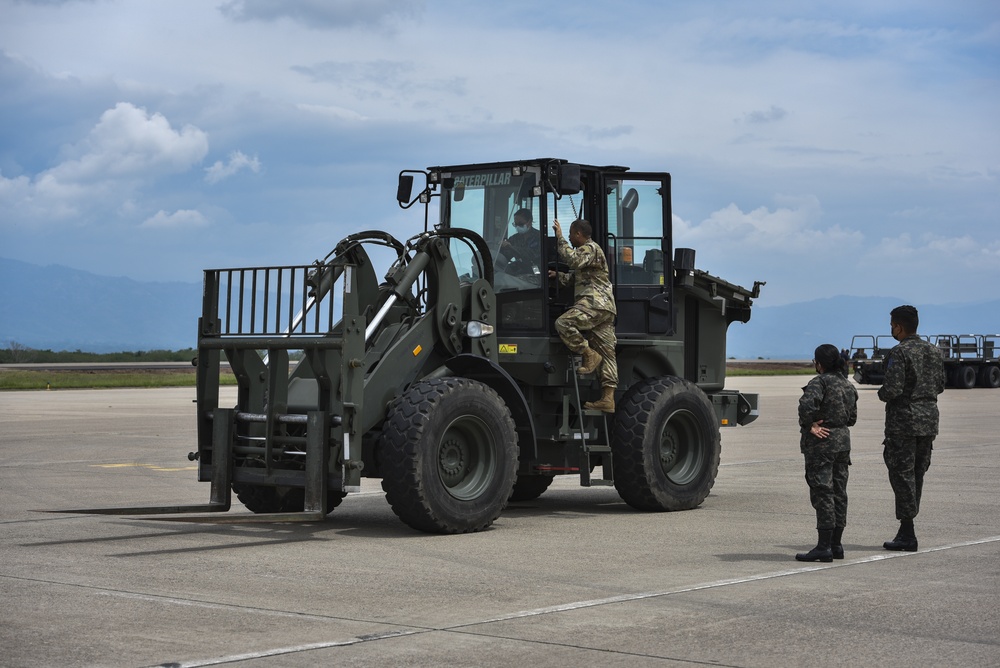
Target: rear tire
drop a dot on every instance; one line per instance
(665, 444)
(261, 499)
(528, 487)
(448, 455)
(965, 377)
(989, 376)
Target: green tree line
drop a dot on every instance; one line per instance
(16, 353)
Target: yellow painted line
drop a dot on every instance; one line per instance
(151, 467)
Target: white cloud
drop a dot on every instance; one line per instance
(179, 218)
(925, 251)
(128, 142)
(126, 148)
(338, 113)
(322, 14)
(237, 161)
(789, 229)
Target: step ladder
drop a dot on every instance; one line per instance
(590, 433)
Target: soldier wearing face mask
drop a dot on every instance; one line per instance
(521, 253)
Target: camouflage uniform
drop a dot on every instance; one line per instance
(914, 376)
(594, 311)
(831, 398)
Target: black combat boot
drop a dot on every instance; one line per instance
(836, 543)
(905, 540)
(822, 550)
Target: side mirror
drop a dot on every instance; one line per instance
(684, 259)
(405, 188)
(569, 180)
(459, 191)
(564, 179)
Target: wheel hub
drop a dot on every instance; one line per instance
(680, 457)
(668, 448)
(466, 457)
(452, 458)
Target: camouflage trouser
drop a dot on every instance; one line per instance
(826, 474)
(599, 327)
(907, 458)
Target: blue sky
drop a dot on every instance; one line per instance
(846, 148)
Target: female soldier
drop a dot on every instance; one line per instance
(829, 405)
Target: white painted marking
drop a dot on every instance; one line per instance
(289, 650)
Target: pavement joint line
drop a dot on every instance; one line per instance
(759, 461)
(173, 600)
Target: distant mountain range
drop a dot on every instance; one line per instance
(793, 331)
(57, 308)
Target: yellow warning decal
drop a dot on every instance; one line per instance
(416, 351)
(508, 348)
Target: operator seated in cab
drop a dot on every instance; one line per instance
(520, 254)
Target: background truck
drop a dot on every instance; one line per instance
(446, 379)
(970, 360)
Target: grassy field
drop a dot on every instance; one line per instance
(23, 379)
(26, 379)
(765, 368)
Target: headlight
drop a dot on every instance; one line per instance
(475, 329)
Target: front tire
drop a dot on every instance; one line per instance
(448, 455)
(665, 445)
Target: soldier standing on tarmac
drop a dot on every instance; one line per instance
(828, 407)
(593, 311)
(914, 377)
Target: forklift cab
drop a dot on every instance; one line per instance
(630, 215)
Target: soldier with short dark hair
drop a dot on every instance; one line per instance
(520, 255)
(588, 327)
(914, 377)
(827, 409)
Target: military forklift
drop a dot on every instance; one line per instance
(446, 378)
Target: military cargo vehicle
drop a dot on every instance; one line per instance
(970, 360)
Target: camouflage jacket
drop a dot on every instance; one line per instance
(589, 273)
(914, 376)
(831, 398)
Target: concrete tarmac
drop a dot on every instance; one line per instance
(573, 578)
